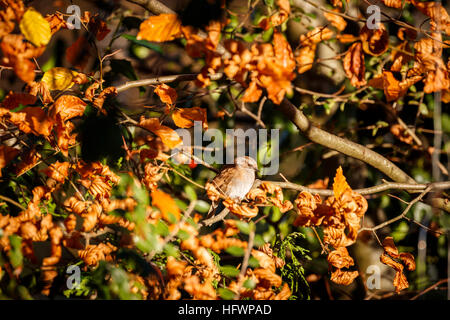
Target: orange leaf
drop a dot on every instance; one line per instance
(184, 118)
(164, 27)
(67, 107)
(165, 204)
(32, 119)
(336, 20)
(13, 100)
(340, 184)
(7, 153)
(252, 93)
(375, 41)
(168, 136)
(58, 171)
(167, 94)
(354, 65)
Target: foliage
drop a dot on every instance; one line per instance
(88, 181)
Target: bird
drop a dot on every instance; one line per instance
(235, 181)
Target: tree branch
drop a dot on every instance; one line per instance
(342, 145)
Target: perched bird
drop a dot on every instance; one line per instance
(235, 181)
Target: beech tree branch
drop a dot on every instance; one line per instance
(342, 145)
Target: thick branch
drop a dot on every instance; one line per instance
(341, 145)
(153, 6)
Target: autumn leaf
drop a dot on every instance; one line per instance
(35, 28)
(168, 136)
(167, 94)
(59, 78)
(354, 65)
(375, 41)
(161, 28)
(58, 171)
(165, 203)
(78, 53)
(184, 118)
(14, 99)
(306, 54)
(337, 21)
(393, 3)
(340, 184)
(32, 119)
(7, 154)
(67, 107)
(252, 93)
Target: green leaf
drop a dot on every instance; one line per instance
(123, 67)
(226, 294)
(15, 254)
(144, 43)
(229, 271)
(235, 251)
(244, 227)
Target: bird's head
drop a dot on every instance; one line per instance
(246, 162)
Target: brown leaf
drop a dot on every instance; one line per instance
(184, 118)
(337, 21)
(13, 100)
(408, 260)
(340, 258)
(393, 3)
(32, 119)
(160, 28)
(7, 154)
(252, 93)
(167, 94)
(390, 248)
(340, 185)
(168, 136)
(58, 171)
(354, 65)
(375, 41)
(67, 107)
(343, 277)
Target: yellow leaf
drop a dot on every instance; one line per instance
(184, 118)
(340, 184)
(164, 27)
(168, 136)
(58, 78)
(35, 28)
(165, 204)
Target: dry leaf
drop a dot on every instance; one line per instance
(354, 65)
(67, 107)
(340, 185)
(6, 155)
(337, 21)
(167, 94)
(164, 27)
(184, 118)
(375, 41)
(168, 136)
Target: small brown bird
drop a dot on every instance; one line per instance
(235, 181)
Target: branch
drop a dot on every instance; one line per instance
(163, 79)
(417, 187)
(342, 145)
(400, 216)
(153, 6)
